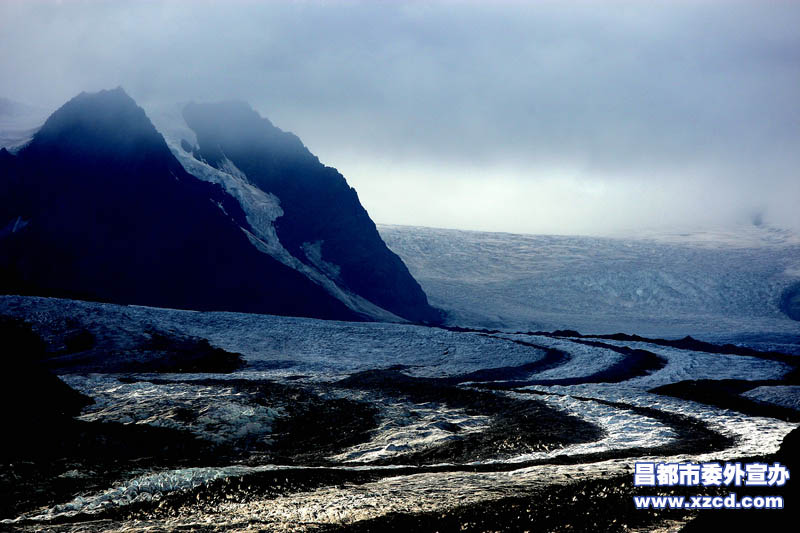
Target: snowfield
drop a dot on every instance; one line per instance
(720, 285)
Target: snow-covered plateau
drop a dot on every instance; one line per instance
(726, 284)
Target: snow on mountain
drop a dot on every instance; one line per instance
(323, 224)
(724, 283)
(296, 239)
(113, 216)
(261, 208)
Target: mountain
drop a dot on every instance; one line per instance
(96, 206)
(219, 210)
(323, 224)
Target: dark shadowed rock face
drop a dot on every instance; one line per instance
(323, 218)
(30, 394)
(97, 207)
(790, 301)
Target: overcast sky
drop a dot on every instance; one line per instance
(540, 117)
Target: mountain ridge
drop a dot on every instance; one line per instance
(323, 224)
(111, 215)
(103, 205)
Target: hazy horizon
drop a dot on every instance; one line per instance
(553, 118)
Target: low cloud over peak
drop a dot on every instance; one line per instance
(553, 117)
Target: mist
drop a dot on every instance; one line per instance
(553, 117)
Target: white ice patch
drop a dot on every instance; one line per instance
(215, 413)
(690, 365)
(313, 251)
(145, 488)
(783, 395)
(753, 436)
(407, 427)
(322, 350)
(623, 428)
(582, 360)
(227, 166)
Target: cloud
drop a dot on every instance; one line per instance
(688, 108)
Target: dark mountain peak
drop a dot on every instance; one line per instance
(238, 128)
(110, 214)
(100, 108)
(105, 124)
(323, 224)
(236, 111)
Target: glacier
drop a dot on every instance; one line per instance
(321, 357)
(722, 284)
